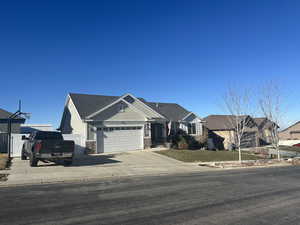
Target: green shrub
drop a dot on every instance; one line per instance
(181, 140)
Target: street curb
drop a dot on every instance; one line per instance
(92, 179)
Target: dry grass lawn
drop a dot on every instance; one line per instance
(206, 156)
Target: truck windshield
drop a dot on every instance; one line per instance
(48, 135)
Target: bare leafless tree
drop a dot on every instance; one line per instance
(271, 106)
(238, 105)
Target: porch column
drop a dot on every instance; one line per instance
(147, 135)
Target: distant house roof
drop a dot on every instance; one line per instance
(4, 115)
(289, 127)
(221, 122)
(260, 120)
(30, 128)
(87, 104)
(264, 122)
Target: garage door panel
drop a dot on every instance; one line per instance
(121, 139)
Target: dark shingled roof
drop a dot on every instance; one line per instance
(264, 122)
(5, 115)
(171, 111)
(220, 122)
(259, 121)
(87, 104)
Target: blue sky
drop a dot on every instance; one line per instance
(187, 52)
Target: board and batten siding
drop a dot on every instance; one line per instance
(15, 128)
(119, 112)
(140, 106)
(72, 123)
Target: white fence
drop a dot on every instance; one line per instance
(17, 143)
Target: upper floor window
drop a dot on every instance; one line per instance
(129, 99)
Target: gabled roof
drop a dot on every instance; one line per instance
(289, 127)
(259, 120)
(87, 104)
(264, 122)
(5, 115)
(172, 111)
(221, 122)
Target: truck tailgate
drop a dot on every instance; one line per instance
(57, 146)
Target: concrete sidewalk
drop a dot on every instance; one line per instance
(137, 163)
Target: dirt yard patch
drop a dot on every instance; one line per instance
(3, 177)
(3, 166)
(249, 163)
(3, 161)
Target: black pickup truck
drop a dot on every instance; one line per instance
(47, 146)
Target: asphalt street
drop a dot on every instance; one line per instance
(235, 197)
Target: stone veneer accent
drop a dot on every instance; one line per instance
(147, 143)
(90, 147)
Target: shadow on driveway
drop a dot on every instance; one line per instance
(85, 160)
(89, 160)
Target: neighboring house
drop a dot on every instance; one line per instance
(123, 123)
(15, 123)
(29, 128)
(222, 128)
(291, 133)
(265, 128)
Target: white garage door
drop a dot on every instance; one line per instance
(119, 139)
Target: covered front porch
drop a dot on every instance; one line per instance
(157, 133)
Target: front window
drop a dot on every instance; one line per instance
(192, 128)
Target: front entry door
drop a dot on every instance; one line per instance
(157, 133)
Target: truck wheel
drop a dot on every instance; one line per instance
(23, 156)
(68, 162)
(33, 161)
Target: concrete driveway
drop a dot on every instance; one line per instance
(137, 163)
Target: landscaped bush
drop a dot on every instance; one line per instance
(182, 143)
(181, 140)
